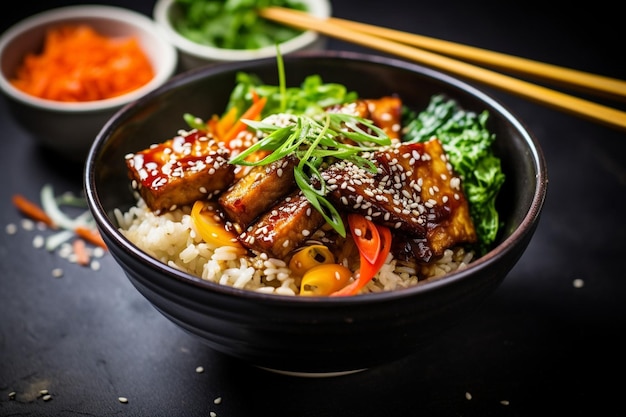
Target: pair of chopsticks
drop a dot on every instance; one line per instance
(427, 51)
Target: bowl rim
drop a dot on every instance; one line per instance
(321, 8)
(526, 227)
(163, 71)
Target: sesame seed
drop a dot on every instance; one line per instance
(468, 396)
(38, 241)
(47, 397)
(504, 402)
(578, 283)
(199, 369)
(123, 400)
(57, 272)
(218, 400)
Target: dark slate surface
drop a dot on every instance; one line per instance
(539, 345)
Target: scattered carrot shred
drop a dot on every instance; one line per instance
(78, 64)
(226, 122)
(80, 251)
(32, 210)
(252, 113)
(91, 235)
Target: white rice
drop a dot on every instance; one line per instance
(172, 239)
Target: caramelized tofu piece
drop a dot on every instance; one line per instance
(180, 171)
(258, 191)
(284, 227)
(415, 192)
(386, 113)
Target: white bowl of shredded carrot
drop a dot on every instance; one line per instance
(66, 71)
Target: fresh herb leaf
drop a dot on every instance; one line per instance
(310, 98)
(194, 122)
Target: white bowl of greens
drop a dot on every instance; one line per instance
(209, 32)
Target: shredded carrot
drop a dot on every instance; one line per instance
(226, 122)
(253, 112)
(78, 64)
(212, 125)
(32, 210)
(90, 235)
(80, 251)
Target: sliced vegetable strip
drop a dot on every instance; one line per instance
(226, 122)
(367, 269)
(252, 113)
(90, 235)
(32, 210)
(324, 279)
(80, 251)
(80, 227)
(211, 229)
(366, 236)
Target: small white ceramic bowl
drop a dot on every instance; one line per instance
(192, 54)
(69, 128)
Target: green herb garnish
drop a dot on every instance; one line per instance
(314, 136)
(311, 97)
(232, 24)
(316, 142)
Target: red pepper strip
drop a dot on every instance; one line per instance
(367, 270)
(365, 235)
(253, 112)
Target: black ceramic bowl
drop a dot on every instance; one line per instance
(300, 334)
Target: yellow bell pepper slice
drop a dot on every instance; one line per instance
(309, 257)
(324, 279)
(211, 228)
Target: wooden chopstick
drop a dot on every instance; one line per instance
(573, 105)
(566, 77)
